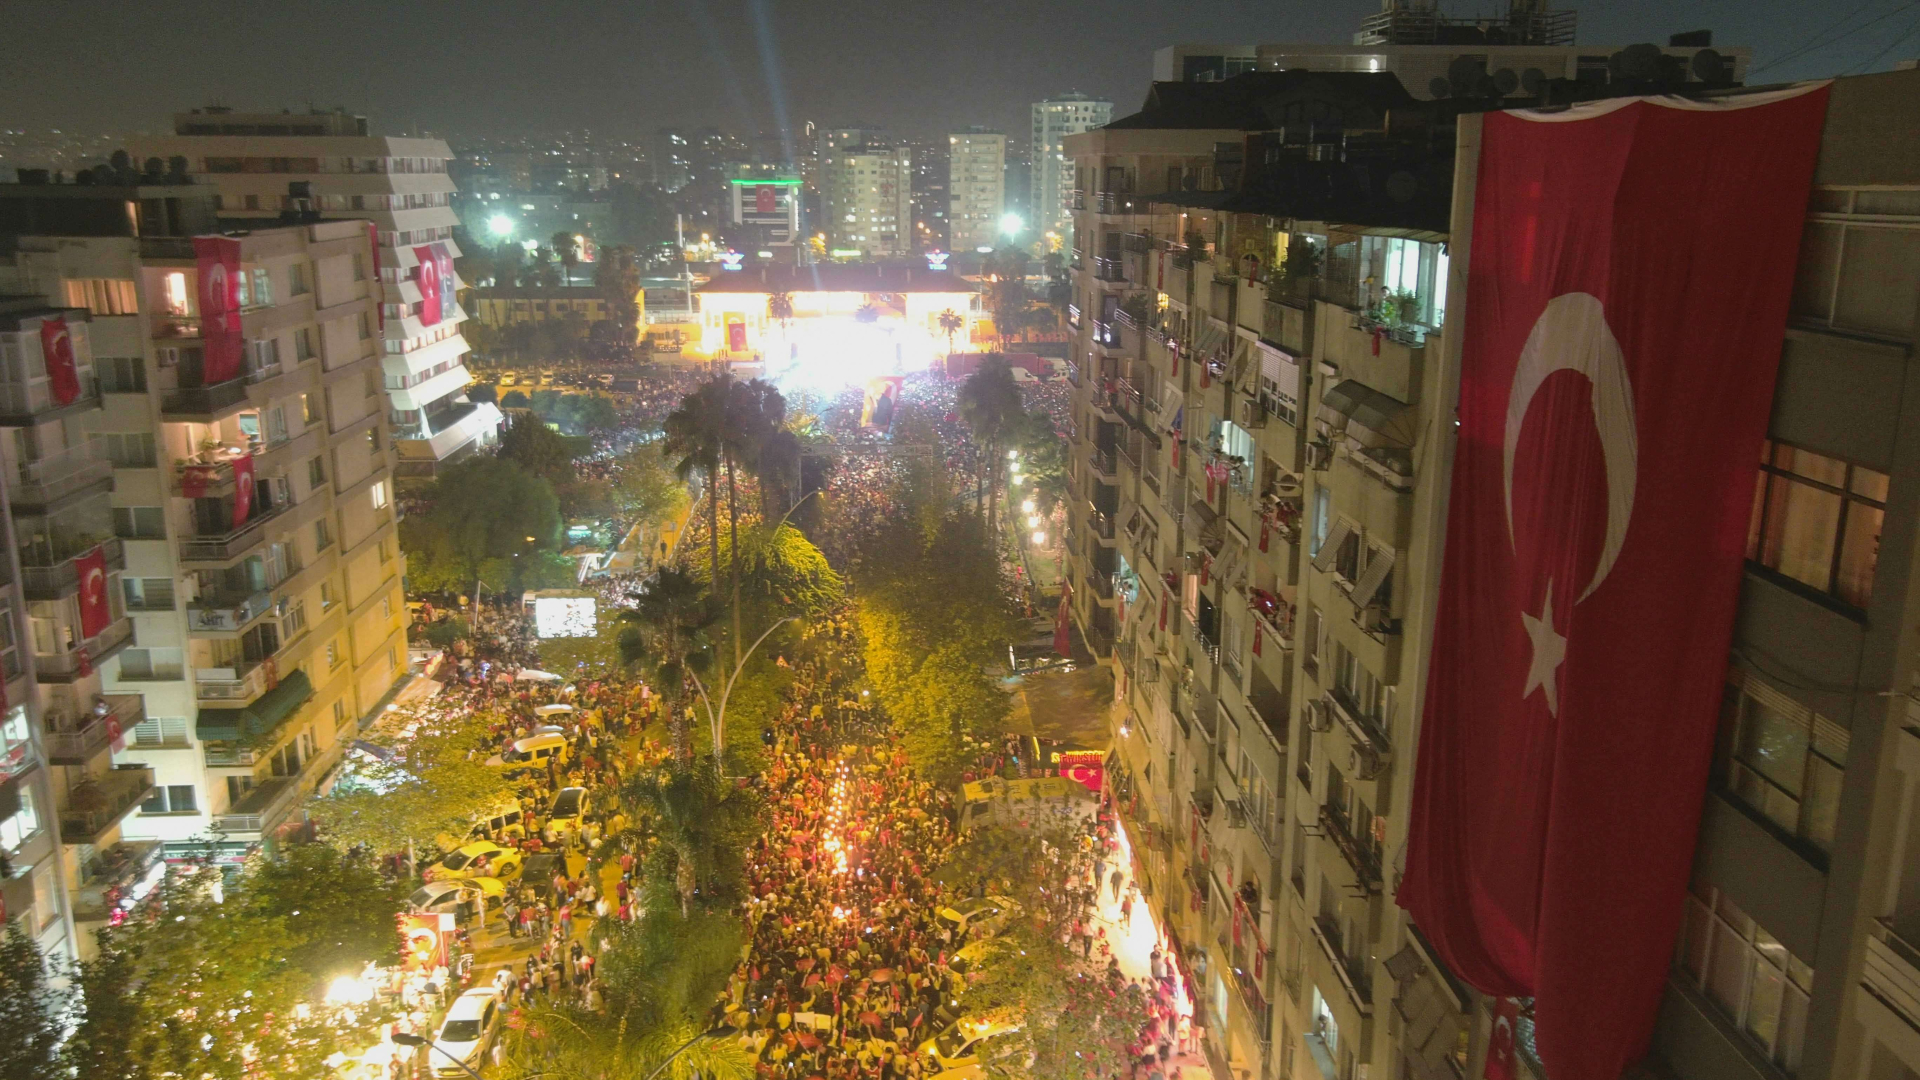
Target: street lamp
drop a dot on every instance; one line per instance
(500, 225)
(1011, 224)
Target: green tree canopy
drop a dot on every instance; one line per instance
(338, 906)
(481, 510)
(432, 787)
(529, 443)
(31, 1011)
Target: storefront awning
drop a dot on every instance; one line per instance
(258, 721)
(1369, 417)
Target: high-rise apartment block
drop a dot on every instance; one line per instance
(868, 192)
(976, 187)
(200, 495)
(1053, 120)
(1265, 367)
(265, 164)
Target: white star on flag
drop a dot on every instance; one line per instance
(1549, 649)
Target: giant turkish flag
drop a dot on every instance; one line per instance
(217, 268)
(1629, 273)
(95, 612)
(427, 275)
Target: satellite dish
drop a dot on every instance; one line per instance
(1709, 66)
(1533, 81)
(1505, 81)
(1641, 63)
(1439, 87)
(1464, 73)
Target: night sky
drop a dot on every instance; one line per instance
(502, 67)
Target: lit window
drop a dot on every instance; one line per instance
(1748, 973)
(1816, 520)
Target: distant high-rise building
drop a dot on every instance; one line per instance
(869, 201)
(1053, 120)
(327, 166)
(929, 194)
(672, 167)
(976, 187)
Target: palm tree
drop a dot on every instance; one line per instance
(952, 322)
(754, 411)
(695, 434)
(688, 808)
(780, 308)
(664, 634)
(566, 248)
(989, 403)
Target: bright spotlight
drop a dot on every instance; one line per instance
(1027, 506)
(1011, 224)
(500, 225)
(1039, 537)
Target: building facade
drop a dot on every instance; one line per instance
(976, 188)
(327, 165)
(210, 566)
(499, 308)
(1053, 120)
(868, 199)
(1257, 498)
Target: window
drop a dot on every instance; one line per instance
(317, 472)
(327, 598)
(148, 594)
(373, 390)
(309, 409)
(339, 713)
(1359, 689)
(171, 799)
(373, 437)
(359, 262)
(9, 648)
(140, 523)
(322, 535)
(303, 343)
(379, 492)
(386, 607)
(161, 732)
(1753, 978)
(104, 296)
(121, 374)
(1816, 520)
(157, 665)
(297, 279)
(1322, 517)
(24, 823)
(130, 450)
(262, 284)
(1783, 759)
(333, 655)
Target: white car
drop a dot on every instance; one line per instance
(979, 918)
(468, 1032)
(451, 897)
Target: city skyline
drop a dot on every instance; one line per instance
(752, 65)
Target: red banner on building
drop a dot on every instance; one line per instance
(1624, 322)
(90, 570)
(764, 198)
(426, 274)
(1085, 767)
(217, 262)
(243, 484)
(423, 941)
(63, 374)
(379, 287)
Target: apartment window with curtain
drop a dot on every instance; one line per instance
(1782, 759)
(140, 522)
(103, 296)
(130, 450)
(1816, 521)
(1753, 979)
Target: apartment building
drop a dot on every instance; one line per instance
(1261, 408)
(1053, 120)
(868, 195)
(330, 165)
(206, 530)
(976, 188)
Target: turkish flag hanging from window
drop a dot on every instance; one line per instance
(91, 572)
(63, 375)
(1630, 267)
(243, 484)
(426, 274)
(217, 274)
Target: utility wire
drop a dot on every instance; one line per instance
(1891, 45)
(1833, 35)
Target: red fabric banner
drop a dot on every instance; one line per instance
(379, 287)
(116, 735)
(763, 199)
(195, 479)
(243, 483)
(90, 570)
(1623, 327)
(1087, 768)
(217, 264)
(63, 375)
(426, 274)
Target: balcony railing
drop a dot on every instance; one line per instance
(266, 806)
(60, 577)
(223, 548)
(1101, 462)
(227, 614)
(200, 401)
(175, 327)
(70, 665)
(1359, 990)
(1114, 202)
(1076, 200)
(1366, 864)
(106, 877)
(74, 740)
(1100, 525)
(231, 757)
(49, 479)
(1109, 268)
(1892, 971)
(95, 805)
(24, 404)
(243, 683)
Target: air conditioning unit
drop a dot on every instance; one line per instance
(1319, 715)
(1364, 763)
(1319, 455)
(1252, 414)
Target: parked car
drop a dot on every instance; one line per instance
(981, 917)
(468, 1032)
(481, 859)
(965, 1041)
(503, 820)
(568, 811)
(457, 897)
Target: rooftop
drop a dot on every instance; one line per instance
(839, 277)
(1260, 100)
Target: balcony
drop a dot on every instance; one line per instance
(74, 740)
(232, 757)
(261, 810)
(167, 327)
(1101, 526)
(1101, 585)
(1104, 470)
(223, 549)
(31, 403)
(1892, 972)
(1076, 200)
(230, 684)
(1116, 202)
(1366, 864)
(95, 805)
(60, 578)
(204, 404)
(218, 614)
(255, 725)
(113, 876)
(1110, 268)
(82, 659)
(59, 478)
(1359, 991)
